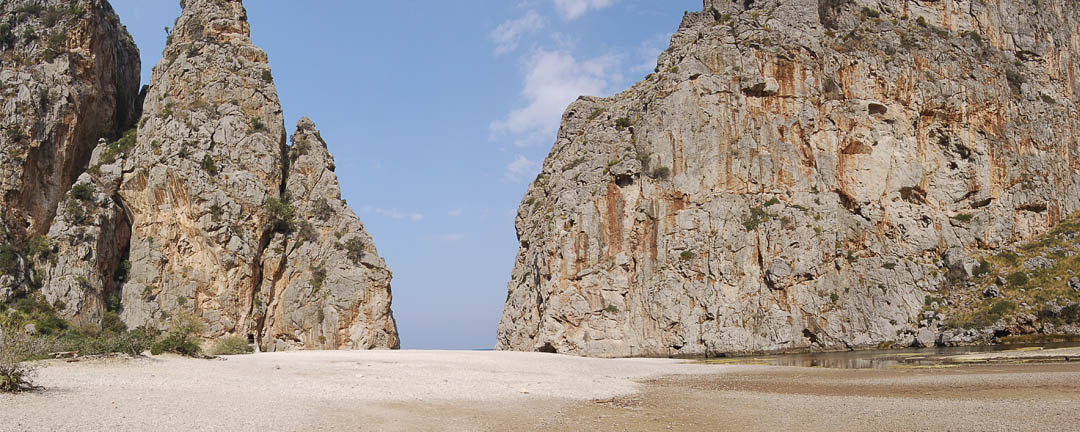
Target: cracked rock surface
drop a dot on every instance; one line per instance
(798, 175)
(201, 206)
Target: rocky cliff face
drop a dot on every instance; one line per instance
(204, 208)
(799, 175)
(69, 76)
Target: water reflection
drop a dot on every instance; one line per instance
(884, 359)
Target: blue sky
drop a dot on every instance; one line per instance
(439, 114)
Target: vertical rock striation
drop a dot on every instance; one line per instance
(69, 76)
(798, 175)
(209, 155)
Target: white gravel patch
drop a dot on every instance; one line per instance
(283, 390)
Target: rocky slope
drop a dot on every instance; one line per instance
(204, 208)
(799, 175)
(69, 76)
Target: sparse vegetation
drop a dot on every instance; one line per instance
(355, 249)
(318, 277)
(267, 76)
(256, 124)
(1015, 79)
(39, 246)
(963, 217)
(322, 210)
(611, 309)
(662, 173)
(755, 219)
(120, 148)
(209, 165)
(1017, 279)
(182, 337)
(15, 348)
(1004, 288)
(232, 345)
(870, 13)
(282, 215)
(83, 192)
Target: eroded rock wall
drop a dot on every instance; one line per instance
(69, 76)
(324, 284)
(220, 210)
(798, 175)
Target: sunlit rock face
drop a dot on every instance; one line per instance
(69, 76)
(221, 206)
(200, 205)
(798, 175)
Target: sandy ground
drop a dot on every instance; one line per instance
(432, 390)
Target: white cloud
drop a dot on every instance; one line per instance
(507, 35)
(399, 215)
(456, 212)
(521, 169)
(574, 9)
(450, 237)
(555, 79)
(649, 51)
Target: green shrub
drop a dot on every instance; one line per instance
(983, 268)
(1017, 279)
(889, 266)
(256, 124)
(834, 297)
(687, 255)
(182, 337)
(355, 249)
(39, 246)
(267, 76)
(120, 147)
(611, 309)
(755, 219)
(282, 215)
(870, 13)
(15, 348)
(662, 173)
(1001, 308)
(322, 210)
(9, 260)
(209, 165)
(7, 38)
(622, 123)
(232, 345)
(83, 192)
(318, 276)
(111, 323)
(963, 217)
(55, 46)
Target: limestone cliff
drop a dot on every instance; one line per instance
(69, 76)
(204, 208)
(799, 175)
